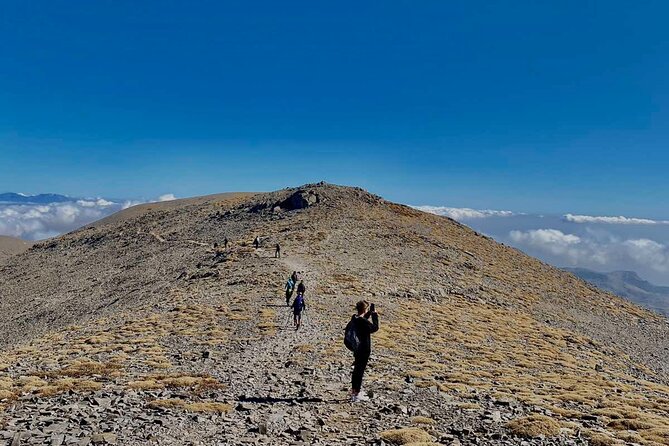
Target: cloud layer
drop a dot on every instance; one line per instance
(594, 252)
(40, 221)
(463, 213)
(600, 243)
(613, 220)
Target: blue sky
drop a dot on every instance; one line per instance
(532, 106)
(540, 109)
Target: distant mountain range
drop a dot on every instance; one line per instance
(629, 285)
(14, 198)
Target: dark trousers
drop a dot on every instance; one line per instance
(289, 294)
(359, 366)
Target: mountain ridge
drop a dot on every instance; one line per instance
(14, 198)
(629, 285)
(152, 336)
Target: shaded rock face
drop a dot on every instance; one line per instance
(300, 200)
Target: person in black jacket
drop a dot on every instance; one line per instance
(301, 289)
(363, 328)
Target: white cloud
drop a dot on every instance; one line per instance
(637, 254)
(463, 213)
(613, 220)
(545, 237)
(130, 203)
(46, 220)
(99, 202)
(552, 241)
(39, 221)
(167, 197)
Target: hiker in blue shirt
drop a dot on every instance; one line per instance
(290, 286)
(298, 306)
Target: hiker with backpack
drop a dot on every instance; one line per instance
(290, 286)
(277, 251)
(256, 242)
(294, 276)
(301, 289)
(298, 306)
(357, 338)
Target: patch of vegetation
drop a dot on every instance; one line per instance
(534, 426)
(406, 436)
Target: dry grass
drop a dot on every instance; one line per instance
(466, 346)
(600, 439)
(69, 384)
(85, 358)
(266, 321)
(79, 369)
(406, 436)
(198, 384)
(422, 420)
(534, 426)
(304, 348)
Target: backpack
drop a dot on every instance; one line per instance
(351, 339)
(299, 303)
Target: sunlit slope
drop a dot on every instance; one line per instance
(479, 342)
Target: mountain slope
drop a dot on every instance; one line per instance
(10, 246)
(629, 285)
(136, 326)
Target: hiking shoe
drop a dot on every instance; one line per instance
(359, 398)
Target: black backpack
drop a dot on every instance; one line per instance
(351, 339)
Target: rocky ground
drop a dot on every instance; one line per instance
(136, 332)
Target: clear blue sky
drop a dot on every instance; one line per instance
(531, 106)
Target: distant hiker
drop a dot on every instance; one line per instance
(277, 252)
(298, 306)
(357, 338)
(225, 243)
(218, 255)
(301, 289)
(290, 286)
(294, 276)
(256, 242)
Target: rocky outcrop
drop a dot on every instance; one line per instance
(301, 199)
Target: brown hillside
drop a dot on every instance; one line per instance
(10, 246)
(137, 325)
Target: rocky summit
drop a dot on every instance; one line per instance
(135, 331)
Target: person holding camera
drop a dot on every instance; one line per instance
(362, 327)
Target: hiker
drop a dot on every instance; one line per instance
(294, 276)
(218, 255)
(301, 289)
(225, 243)
(358, 339)
(256, 242)
(277, 252)
(298, 306)
(290, 286)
